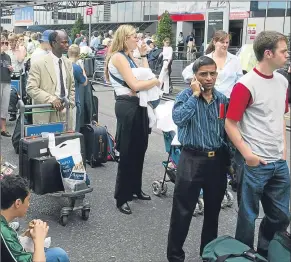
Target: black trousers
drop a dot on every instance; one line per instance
(132, 142)
(196, 172)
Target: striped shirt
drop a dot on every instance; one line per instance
(198, 124)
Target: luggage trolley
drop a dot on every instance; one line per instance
(76, 198)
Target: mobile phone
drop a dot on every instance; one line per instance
(201, 87)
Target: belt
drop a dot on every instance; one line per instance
(198, 152)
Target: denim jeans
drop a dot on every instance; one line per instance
(56, 254)
(269, 184)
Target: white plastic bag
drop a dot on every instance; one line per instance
(68, 155)
(28, 244)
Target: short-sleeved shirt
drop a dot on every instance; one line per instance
(12, 243)
(80, 79)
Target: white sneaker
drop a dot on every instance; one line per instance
(14, 225)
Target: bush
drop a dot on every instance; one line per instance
(164, 29)
(78, 27)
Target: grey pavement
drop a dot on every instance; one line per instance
(109, 235)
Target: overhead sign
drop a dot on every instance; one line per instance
(215, 19)
(23, 16)
(89, 11)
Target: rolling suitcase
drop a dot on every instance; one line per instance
(95, 137)
(46, 175)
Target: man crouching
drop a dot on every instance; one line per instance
(199, 113)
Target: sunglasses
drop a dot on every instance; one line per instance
(4, 43)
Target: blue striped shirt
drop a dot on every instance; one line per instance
(198, 123)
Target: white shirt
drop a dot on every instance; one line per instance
(226, 78)
(167, 52)
(57, 71)
(37, 54)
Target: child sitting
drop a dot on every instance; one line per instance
(15, 197)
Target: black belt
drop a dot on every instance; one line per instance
(199, 152)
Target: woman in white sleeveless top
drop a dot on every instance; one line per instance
(132, 119)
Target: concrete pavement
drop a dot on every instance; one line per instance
(109, 235)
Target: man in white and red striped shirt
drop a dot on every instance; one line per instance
(256, 126)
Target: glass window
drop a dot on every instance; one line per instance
(114, 13)
(288, 9)
(121, 12)
(276, 9)
(258, 8)
(137, 14)
(129, 11)
(99, 15)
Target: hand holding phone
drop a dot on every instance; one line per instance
(196, 86)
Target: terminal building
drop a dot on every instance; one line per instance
(246, 18)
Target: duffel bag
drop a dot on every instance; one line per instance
(280, 248)
(228, 249)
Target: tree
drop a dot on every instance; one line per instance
(164, 29)
(78, 26)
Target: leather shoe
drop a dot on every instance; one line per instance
(142, 196)
(125, 209)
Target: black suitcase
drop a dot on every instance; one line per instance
(46, 175)
(95, 137)
(31, 147)
(88, 66)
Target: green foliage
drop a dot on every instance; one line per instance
(164, 29)
(78, 26)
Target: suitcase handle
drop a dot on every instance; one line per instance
(22, 109)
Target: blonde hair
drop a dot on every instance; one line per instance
(219, 36)
(119, 43)
(74, 51)
(12, 36)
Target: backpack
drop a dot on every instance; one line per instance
(228, 249)
(280, 248)
(155, 59)
(113, 154)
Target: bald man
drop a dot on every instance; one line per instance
(51, 79)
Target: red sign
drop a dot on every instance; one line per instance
(89, 11)
(238, 15)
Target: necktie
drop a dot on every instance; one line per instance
(63, 92)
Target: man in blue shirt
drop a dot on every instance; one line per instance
(80, 81)
(199, 113)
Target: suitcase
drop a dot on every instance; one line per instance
(88, 66)
(95, 137)
(31, 147)
(46, 175)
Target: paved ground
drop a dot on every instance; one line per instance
(109, 235)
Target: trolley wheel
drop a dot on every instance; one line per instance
(64, 220)
(230, 198)
(157, 188)
(85, 214)
(165, 187)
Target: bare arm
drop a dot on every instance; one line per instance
(122, 65)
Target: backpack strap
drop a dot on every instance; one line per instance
(249, 254)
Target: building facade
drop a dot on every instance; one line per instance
(187, 16)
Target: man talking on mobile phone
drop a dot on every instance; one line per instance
(199, 113)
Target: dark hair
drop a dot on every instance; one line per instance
(53, 37)
(202, 61)
(267, 40)
(95, 34)
(218, 36)
(13, 188)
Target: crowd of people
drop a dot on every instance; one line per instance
(224, 115)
